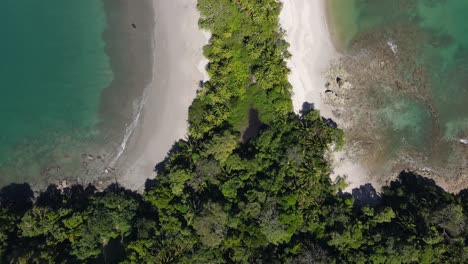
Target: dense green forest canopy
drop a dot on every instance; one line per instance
(224, 197)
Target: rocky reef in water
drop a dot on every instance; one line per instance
(382, 68)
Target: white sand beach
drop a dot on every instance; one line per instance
(313, 52)
(178, 68)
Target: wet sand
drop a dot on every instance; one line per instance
(129, 50)
(178, 66)
(84, 154)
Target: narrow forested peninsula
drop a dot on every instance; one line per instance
(250, 184)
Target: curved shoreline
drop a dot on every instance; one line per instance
(127, 48)
(177, 68)
(313, 53)
(376, 103)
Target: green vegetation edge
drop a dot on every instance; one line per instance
(249, 185)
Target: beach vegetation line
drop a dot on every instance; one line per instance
(222, 196)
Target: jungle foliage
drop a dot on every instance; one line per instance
(221, 199)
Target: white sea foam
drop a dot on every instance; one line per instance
(130, 128)
(138, 106)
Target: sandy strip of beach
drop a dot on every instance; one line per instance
(313, 52)
(311, 48)
(179, 65)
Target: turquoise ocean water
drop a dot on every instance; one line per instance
(53, 69)
(430, 116)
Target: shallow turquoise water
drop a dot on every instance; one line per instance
(448, 63)
(433, 122)
(52, 72)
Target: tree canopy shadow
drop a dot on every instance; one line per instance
(421, 188)
(76, 196)
(366, 195)
(161, 166)
(306, 107)
(255, 124)
(17, 198)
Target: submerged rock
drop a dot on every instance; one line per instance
(393, 46)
